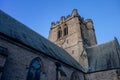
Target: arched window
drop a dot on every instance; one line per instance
(59, 72)
(65, 30)
(59, 33)
(34, 70)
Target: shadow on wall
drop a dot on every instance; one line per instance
(77, 76)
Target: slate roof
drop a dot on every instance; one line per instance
(104, 57)
(22, 33)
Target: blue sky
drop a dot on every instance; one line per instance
(38, 14)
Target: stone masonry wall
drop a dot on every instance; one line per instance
(19, 59)
(103, 75)
(72, 42)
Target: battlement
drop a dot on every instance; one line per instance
(89, 20)
(64, 19)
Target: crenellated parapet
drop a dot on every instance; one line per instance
(89, 20)
(75, 13)
(65, 19)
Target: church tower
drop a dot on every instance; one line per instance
(73, 34)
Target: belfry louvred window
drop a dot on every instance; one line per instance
(65, 31)
(59, 34)
(62, 32)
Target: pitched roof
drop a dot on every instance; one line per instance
(22, 33)
(104, 57)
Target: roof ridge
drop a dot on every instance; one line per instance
(102, 43)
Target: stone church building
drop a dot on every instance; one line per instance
(71, 53)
